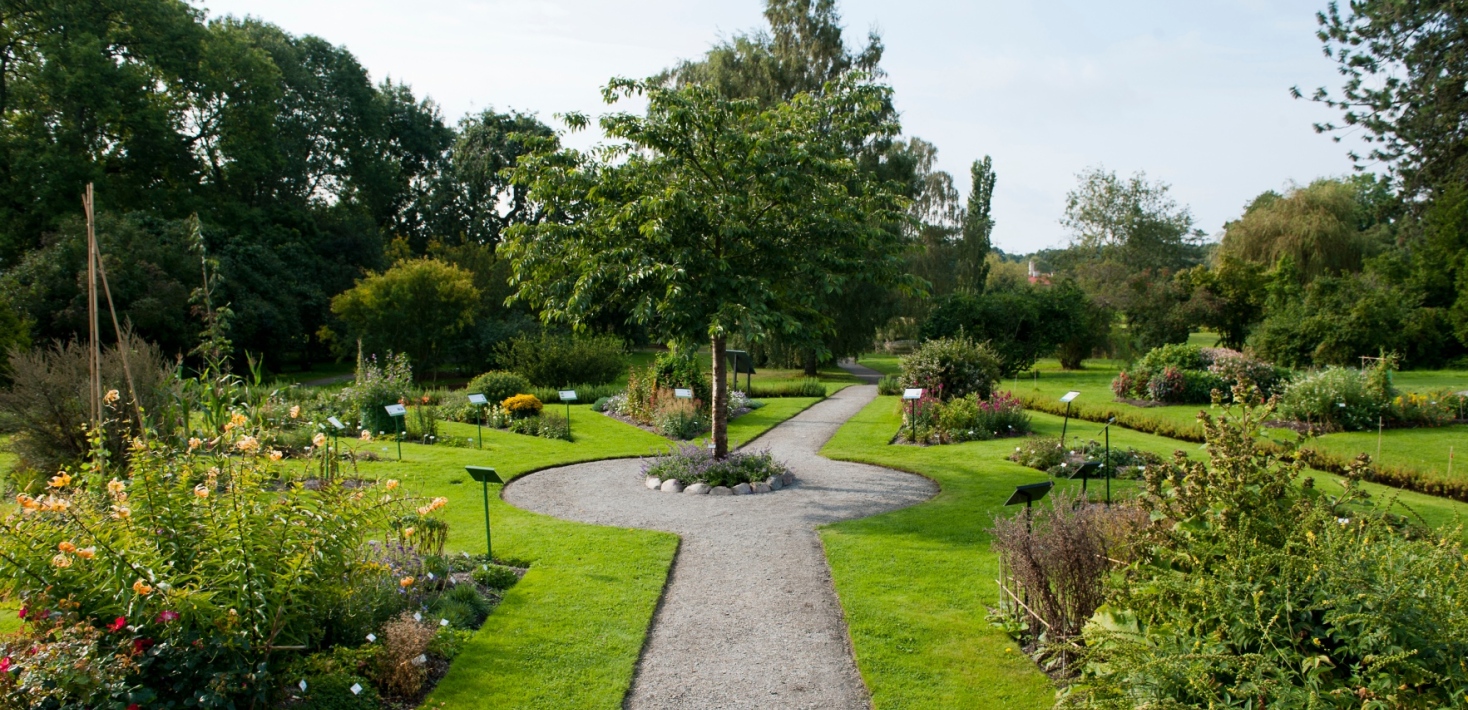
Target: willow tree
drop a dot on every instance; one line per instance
(708, 217)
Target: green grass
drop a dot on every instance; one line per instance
(1429, 380)
(914, 583)
(1424, 449)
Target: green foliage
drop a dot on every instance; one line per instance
(952, 367)
(1189, 374)
(495, 576)
(1024, 324)
(697, 246)
(963, 419)
(550, 360)
(1316, 226)
(1046, 454)
(800, 388)
(417, 307)
(499, 385)
(678, 418)
(462, 605)
(584, 393)
(689, 463)
(889, 385)
(1252, 589)
(681, 369)
(1339, 398)
(1131, 220)
(375, 387)
(421, 423)
(333, 691)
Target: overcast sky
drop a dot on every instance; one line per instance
(1193, 93)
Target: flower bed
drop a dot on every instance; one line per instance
(690, 465)
(1046, 454)
(1188, 374)
(930, 420)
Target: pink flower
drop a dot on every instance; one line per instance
(6, 665)
(167, 616)
(140, 645)
(23, 611)
(117, 624)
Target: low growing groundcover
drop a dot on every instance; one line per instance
(569, 634)
(915, 583)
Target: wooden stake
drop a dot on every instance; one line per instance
(94, 347)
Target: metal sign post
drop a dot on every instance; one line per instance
(480, 400)
(912, 395)
(398, 412)
(485, 475)
(1107, 431)
(1084, 472)
(1067, 398)
(568, 396)
(1028, 494)
(337, 427)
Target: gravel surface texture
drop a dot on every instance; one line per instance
(749, 618)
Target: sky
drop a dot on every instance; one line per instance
(1194, 94)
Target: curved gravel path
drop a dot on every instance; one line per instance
(749, 618)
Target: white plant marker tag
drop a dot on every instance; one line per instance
(356, 689)
(443, 622)
(303, 685)
(371, 638)
(420, 660)
(417, 616)
(430, 576)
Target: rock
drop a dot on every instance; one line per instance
(774, 483)
(672, 485)
(761, 487)
(788, 477)
(721, 491)
(699, 488)
(653, 482)
(742, 489)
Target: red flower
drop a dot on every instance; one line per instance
(167, 616)
(117, 624)
(6, 665)
(134, 706)
(140, 645)
(22, 612)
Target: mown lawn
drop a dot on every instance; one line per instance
(569, 634)
(915, 583)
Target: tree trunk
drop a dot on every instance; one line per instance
(810, 363)
(721, 399)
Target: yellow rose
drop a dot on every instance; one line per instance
(201, 491)
(142, 587)
(405, 582)
(61, 480)
(296, 411)
(366, 435)
(111, 396)
(194, 443)
(319, 440)
(276, 455)
(116, 487)
(87, 553)
(66, 547)
(392, 483)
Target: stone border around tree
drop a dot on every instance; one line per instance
(673, 485)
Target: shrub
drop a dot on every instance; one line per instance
(1043, 453)
(554, 426)
(1249, 589)
(523, 405)
(809, 387)
(1057, 558)
(551, 360)
(1180, 356)
(952, 367)
(1188, 374)
(678, 418)
(376, 387)
(498, 385)
(464, 602)
(584, 393)
(889, 385)
(689, 463)
(421, 423)
(600, 405)
(47, 406)
(1047, 455)
(677, 369)
(495, 576)
(1166, 385)
(1337, 398)
(400, 670)
(333, 691)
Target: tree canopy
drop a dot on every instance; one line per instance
(712, 216)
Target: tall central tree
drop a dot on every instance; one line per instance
(712, 216)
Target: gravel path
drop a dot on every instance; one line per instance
(749, 618)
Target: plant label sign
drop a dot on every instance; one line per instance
(478, 399)
(1068, 396)
(336, 423)
(913, 393)
(568, 395)
(396, 410)
(681, 393)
